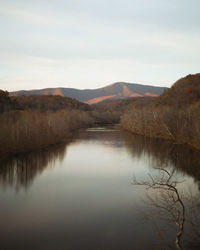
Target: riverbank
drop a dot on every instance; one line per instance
(174, 115)
(23, 131)
(181, 126)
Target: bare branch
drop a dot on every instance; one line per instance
(170, 197)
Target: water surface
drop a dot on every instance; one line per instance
(81, 195)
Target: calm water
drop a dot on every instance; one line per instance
(82, 195)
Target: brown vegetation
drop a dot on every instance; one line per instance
(25, 131)
(48, 102)
(105, 117)
(172, 116)
(181, 126)
(184, 92)
(34, 122)
(5, 101)
(37, 102)
(123, 105)
(110, 111)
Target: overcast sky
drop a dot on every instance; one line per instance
(92, 43)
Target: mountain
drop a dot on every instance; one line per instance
(118, 90)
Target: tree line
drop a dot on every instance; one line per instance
(175, 115)
(33, 122)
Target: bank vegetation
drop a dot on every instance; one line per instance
(32, 123)
(22, 130)
(175, 115)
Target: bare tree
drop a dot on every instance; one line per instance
(167, 199)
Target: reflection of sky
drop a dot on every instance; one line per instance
(89, 196)
(90, 43)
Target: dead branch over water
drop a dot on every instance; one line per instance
(182, 209)
(169, 199)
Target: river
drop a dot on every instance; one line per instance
(85, 194)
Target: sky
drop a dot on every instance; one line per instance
(93, 43)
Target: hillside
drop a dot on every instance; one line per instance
(174, 115)
(6, 103)
(38, 102)
(119, 90)
(48, 102)
(123, 105)
(183, 92)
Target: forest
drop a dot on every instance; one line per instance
(29, 123)
(174, 115)
(32, 122)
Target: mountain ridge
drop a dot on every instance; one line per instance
(117, 90)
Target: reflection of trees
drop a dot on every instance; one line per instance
(19, 171)
(107, 136)
(174, 214)
(163, 153)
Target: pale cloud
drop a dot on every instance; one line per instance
(40, 73)
(25, 15)
(86, 44)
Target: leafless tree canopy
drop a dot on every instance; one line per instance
(164, 195)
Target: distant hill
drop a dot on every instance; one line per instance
(184, 92)
(123, 105)
(48, 102)
(39, 102)
(118, 90)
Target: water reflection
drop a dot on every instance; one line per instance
(163, 154)
(176, 207)
(106, 136)
(20, 171)
(168, 199)
(87, 193)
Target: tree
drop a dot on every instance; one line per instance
(164, 195)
